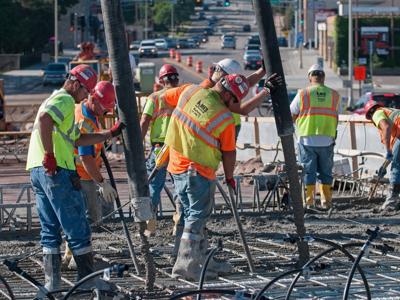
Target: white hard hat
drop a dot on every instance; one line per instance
(315, 67)
(230, 66)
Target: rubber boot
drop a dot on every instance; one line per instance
(188, 262)
(178, 230)
(52, 271)
(326, 195)
(392, 200)
(310, 195)
(214, 266)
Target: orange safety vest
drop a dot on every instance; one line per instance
(394, 121)
(86, 125)
(196, 124)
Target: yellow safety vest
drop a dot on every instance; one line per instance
(160, 118)
(318, 111)
(196, 124)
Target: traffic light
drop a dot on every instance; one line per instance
(199, 3)
(227, 3)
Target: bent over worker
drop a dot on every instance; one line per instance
(387, 120)
(56, 185)
(201, 134)
(156, 115)
(315, 111)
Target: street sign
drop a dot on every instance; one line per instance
(360, 72)
(362, 60)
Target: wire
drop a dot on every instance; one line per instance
(8, 288)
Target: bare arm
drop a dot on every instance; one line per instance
(89, 163)
(46, 125)
(385, 133)
(255, 77)
(144, 124)
(228, 162)
(87, 139)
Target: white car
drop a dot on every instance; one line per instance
(148, 49)
(161, 44)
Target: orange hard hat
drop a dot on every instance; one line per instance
(237, 84)
(104, 93)
(86, 75)
(370, 107)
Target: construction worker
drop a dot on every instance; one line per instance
(157, 114)
(98, 192)
(388, 123)
(315, 111)
(201, 134)
(54, 179)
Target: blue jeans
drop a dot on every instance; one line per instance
(395, 168)
(156, 185)
(195, 194)
(317, 162)
(60, 206)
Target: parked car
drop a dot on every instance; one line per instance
(54, 73)
(161, 44)
(390, 100)
(182, 44)
(148, 49)
(282, 41)
(252, 59)
(246, 28)
(134, 45)
(228, 41)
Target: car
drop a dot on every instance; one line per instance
(161, 44)
(390, 100)
(282, 41)
(148, 49)
(219, 3)
(252, 47)
(54, 73)
(246, 28)
(202, 38)
(193, 43)
(171, 43)
(182, 44)
(134, 45)
(254, 39)
(252, 59)
(228, 41)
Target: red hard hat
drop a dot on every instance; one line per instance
(369, 107)
(166, 70)
(104, 93)
(85, 75)
(236, 84)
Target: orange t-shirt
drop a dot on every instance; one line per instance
(177, 162)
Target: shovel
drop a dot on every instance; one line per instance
(380, 176)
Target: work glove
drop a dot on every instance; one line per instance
(389, 155)
(232, 183)
(107, 191)
(49, 163)
(382, 172)
(117, 129)
(273, 82)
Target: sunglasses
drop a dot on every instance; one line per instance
(317, 73)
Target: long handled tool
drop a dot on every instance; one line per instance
(240, 228)
(380, 176)
(121, 213)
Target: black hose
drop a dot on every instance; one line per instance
(205, 265)
(118, 269)
(334, 246)
(373, 234)
(210, 291)
(8, 288)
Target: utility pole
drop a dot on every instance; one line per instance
(350, 64)
(146, 20)
(172, 17)
(128, 112)
(55, 30)
(283, 118)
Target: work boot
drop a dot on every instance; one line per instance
(214, 266)
(392, 200)
(188, 262)
(52, 271)
(310, 195)
(178, 230)
(326, 195)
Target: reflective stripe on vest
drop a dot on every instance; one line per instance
(187, 94)
(307, 109)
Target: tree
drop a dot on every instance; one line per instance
(162, 14)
